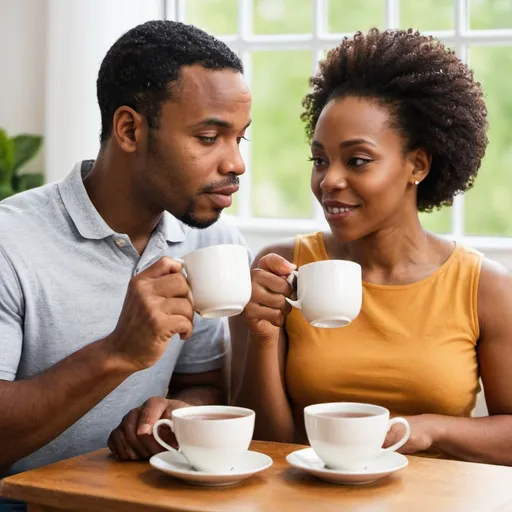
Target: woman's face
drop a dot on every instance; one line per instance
(360, 174)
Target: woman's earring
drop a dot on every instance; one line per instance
(416, 182)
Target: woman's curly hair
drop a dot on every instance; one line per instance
(433, 99)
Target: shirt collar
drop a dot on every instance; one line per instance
(171, 228)
(89, 222)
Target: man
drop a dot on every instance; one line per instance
(95, 316)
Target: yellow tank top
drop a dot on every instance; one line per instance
(412, 348)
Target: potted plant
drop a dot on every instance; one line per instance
(15, 152)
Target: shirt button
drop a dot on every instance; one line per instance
(120, 242)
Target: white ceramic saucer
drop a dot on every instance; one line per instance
(307, 460)
(175, 464)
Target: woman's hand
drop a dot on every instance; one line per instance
(424, 432)
(268, 309)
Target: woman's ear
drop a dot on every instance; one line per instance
(420, 161)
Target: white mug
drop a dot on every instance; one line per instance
(220, 279)
(329, 293)
(213, 438)
(348, 435)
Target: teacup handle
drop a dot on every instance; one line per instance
(156, 435)
(405, 437)
(291, 281)
(181, 261)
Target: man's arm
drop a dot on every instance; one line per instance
(207, 388)
(199, 379)
(238, 355)
(35, 411)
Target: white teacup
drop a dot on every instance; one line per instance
(329, 293)
(213, 438)
(349, 435)
(220, 279)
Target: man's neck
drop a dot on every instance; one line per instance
(112, 192)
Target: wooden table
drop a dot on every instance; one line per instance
(98, 482)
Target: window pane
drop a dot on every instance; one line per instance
(488, 208)
(427, 15)
(280, 169)
(490, 14)
(214, 16)
(349, 16)
(438, 221)
(282, 16)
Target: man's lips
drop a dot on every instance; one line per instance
(225, 191)
(222, 196)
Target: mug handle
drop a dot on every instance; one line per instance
(156, 435)
(405, 437)
(181, 261)
(292, 277)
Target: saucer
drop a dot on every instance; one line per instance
(307, 460)
(175, 464)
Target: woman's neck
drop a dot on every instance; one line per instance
(398, 254)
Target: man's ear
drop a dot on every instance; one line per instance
(129, 129)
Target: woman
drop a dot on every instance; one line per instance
(397, 126)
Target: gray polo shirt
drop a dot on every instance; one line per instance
(63, 278)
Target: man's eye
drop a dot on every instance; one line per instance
(207, 140)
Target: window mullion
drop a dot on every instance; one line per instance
(245, 30)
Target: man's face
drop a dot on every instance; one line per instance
(194, 159)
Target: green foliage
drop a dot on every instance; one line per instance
(15, 152)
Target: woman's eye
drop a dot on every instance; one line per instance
(358, 162)
(317, 161)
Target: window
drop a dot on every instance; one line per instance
(281, 41)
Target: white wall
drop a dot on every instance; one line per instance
(79, 34)
(23, 43)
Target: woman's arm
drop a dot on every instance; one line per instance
(264, 390)
(263, 386)
(489, 439)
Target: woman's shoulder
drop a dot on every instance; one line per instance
(291, 248)
(284, 248)
(494, 293)
(494, 280)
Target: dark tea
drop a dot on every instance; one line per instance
(214, 416)
(343, 414)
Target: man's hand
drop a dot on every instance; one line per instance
(157, 306)
(133, 438)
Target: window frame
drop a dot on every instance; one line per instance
(245, 42)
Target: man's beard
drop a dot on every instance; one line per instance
(191, 219)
